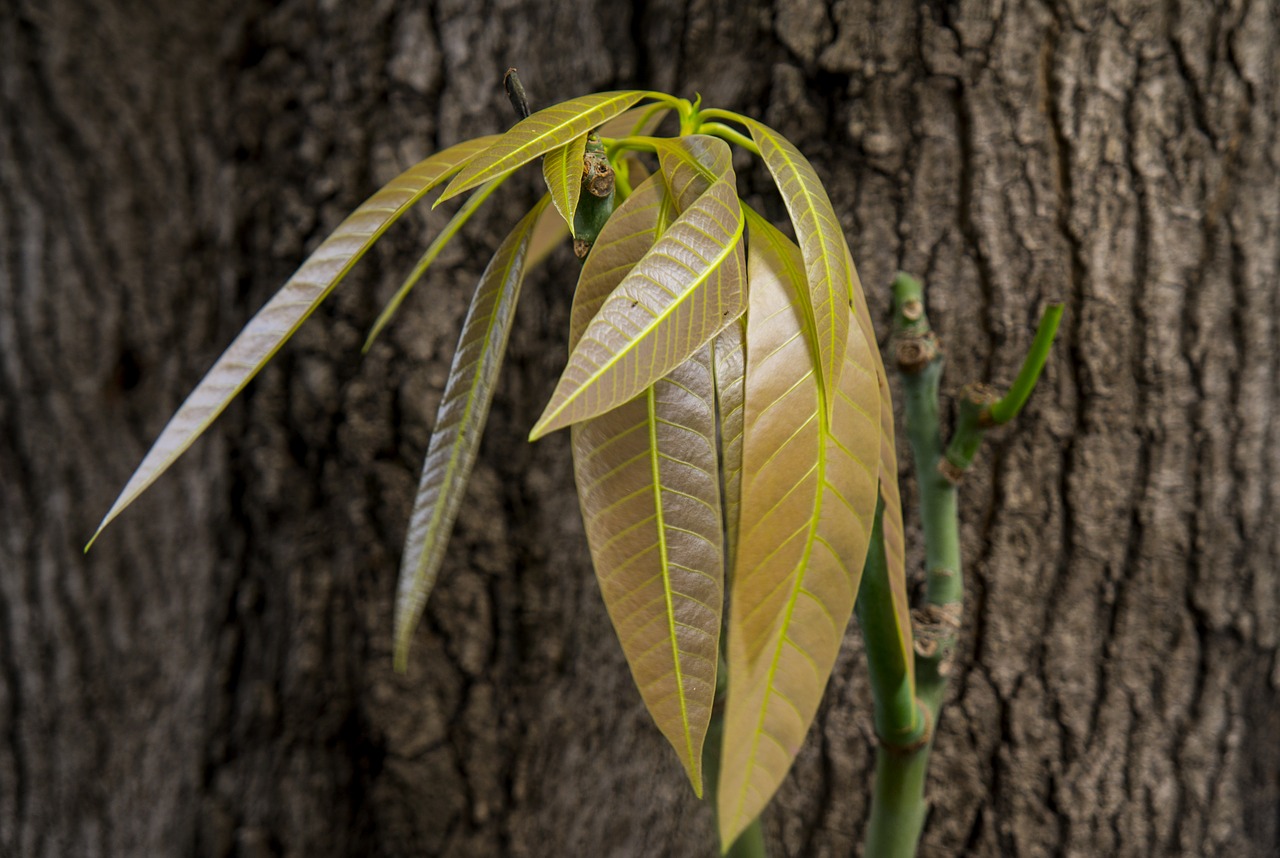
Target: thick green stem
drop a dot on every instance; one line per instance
(897, 716)
(897, 803)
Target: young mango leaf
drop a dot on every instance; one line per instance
(459, 423)
(540, 133)
(821, 240)
(648, 486)
(433, 250)
(562, 171)
(808, 504)
(646, 475)
(267, 331)
(730, 356)
(672, 302)
(894, 534)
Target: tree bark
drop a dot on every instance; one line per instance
(215, 679)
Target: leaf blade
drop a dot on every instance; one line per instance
(285, 312)
(648, 488)
(808, 502)
(460, 421)
(539, 133)
(562, 171)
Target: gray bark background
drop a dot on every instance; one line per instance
(214, 679)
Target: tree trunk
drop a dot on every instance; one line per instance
(215, 679)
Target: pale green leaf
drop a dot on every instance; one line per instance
(538, 134)
(433, 250)
(808, 503)
(822, 243)
(647, 483)
(562, 170)
(672, 302)
(267, 331)
(459, 423)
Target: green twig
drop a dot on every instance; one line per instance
(1011, 403)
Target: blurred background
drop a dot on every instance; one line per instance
(214, 678)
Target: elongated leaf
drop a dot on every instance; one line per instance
(647, 485)
(671, 303)
(267, 331)
(433, 250)
(891, 519)
(649, 491)
(821, 241)
(808, 503)
(562, 170)
(730, 356)
(459, 424)
(540, 133)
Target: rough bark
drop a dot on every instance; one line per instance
(215, 679)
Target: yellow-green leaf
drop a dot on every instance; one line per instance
(459, 423)
(808, 503)
(672, 302)
(267, 331)
(562, 170)
(433, 250)
(649, 491)
(821, 242)
(540, 133)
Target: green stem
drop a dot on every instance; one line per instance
(897, 716)
(1009, 406)
(897, 802)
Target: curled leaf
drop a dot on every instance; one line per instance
(562, 171)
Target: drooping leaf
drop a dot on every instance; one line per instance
(562, 171)
(730, 356)
(822, 243)
(267, 331)
(891, 519)
(672, 302)
(647, 486)
(808, 504)
(691, 164)
(433, 250)
(540, 133)
(459, 423)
